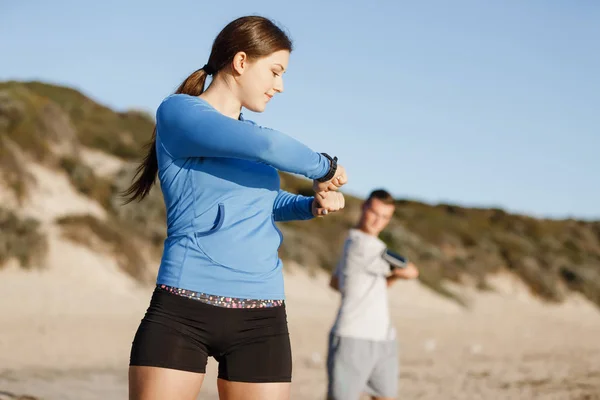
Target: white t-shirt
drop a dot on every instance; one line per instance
(361, 272)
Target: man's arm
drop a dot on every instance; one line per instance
(359, 258)
(410, 272)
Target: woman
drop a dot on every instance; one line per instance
(220, 286)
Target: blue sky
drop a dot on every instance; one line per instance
(470, 102)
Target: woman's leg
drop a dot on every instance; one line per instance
(253, 391)
(257, 361)
(153, 383)
(169, 352)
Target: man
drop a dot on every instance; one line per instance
(363, 355)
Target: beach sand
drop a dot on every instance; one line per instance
(66, 331)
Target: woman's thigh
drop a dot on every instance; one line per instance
(253, 391)
(154, 383)
(257, 363)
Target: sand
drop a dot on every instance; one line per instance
(65, 333)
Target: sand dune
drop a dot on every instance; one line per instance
(55, 197)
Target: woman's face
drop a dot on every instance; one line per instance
(260, 79)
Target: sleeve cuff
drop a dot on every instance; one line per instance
(309, 202)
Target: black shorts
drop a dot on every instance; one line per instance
(250, 344)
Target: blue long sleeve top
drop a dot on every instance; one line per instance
(222, 193)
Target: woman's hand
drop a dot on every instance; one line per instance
(327, 202)
(338, 180)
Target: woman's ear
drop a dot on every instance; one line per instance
(240, 62)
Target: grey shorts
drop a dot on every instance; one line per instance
(356, 366)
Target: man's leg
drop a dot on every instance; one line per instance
(383, 382)
(349, 364)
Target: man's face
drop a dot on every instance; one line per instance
(376, 215)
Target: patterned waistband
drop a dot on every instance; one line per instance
(220, 301)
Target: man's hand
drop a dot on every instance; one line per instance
(409, 272)
(327, 202)
(338, 180)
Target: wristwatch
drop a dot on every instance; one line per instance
(394, 259)
(332, 168)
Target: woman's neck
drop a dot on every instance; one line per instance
(220, 95)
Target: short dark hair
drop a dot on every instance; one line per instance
(382, 195)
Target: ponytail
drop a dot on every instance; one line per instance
(145, 174)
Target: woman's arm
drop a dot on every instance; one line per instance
(189, 127)
(291, 207)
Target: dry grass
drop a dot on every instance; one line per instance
(97, 126)
(21, 239)
(107, 237)
(86, 182)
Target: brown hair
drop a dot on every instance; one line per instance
(381, 195)
(257, 37)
